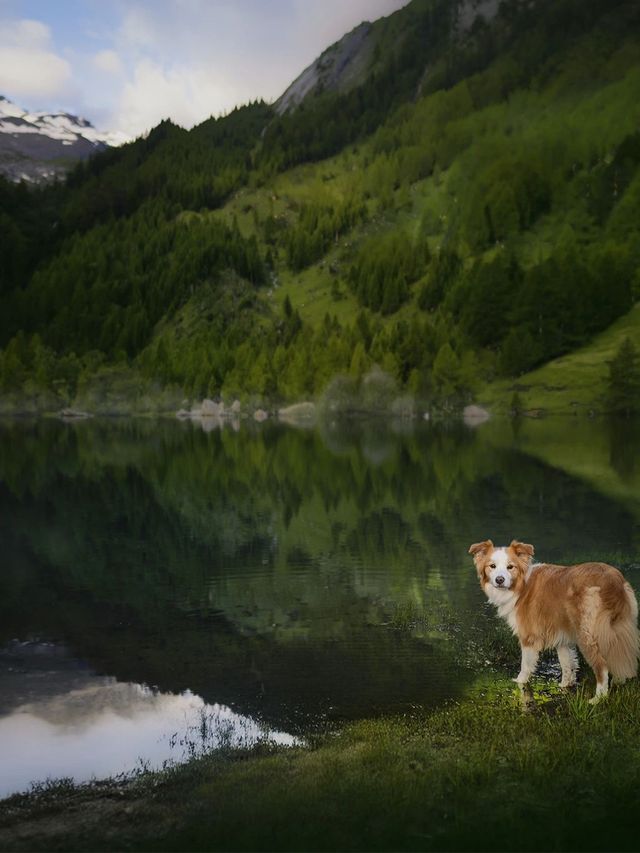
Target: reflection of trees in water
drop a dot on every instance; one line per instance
(352, 666)
(301, 539)
(624, 447)
(186, 506)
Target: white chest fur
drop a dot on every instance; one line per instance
(505, 601)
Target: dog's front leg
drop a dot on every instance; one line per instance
(528, 664)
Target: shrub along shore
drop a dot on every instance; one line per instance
(601, 378)
(500, 770)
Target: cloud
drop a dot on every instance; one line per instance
(131, 63)
(108, 61)
(186, 94)
(155, 93)
(28, 65)
(189, 59)
(26, 33)
(318, 25)
(141, 29)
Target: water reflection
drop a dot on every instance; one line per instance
(295, 577)
(101, 727)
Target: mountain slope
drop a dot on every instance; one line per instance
(361, 53)
(339, 68)
(576, 382)
(479, 220)
(41, 146)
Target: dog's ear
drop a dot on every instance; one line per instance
(522, 549)
(480, 548)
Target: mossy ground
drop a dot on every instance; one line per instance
(498, 771)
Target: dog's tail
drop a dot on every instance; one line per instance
(619, 639)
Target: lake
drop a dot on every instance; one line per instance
(169, 589)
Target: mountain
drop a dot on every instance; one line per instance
(360, 80)
(41, 146)
(340, 67)
(453, 205)
(359, 54)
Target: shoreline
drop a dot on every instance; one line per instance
(275, 415)
(423, 780)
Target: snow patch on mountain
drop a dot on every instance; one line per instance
(61, 126)
(40, 146)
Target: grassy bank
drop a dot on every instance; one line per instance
(573, 384)
(495, 772)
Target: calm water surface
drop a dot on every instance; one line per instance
(167, 590)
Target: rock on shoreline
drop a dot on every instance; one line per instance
(299, 414)
(73, 414)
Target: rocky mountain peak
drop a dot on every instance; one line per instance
(41, 146)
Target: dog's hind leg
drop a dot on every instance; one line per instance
(602, 685)
(590, 649)
(569, 662)
(588, 641)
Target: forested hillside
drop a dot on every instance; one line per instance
(464, 212)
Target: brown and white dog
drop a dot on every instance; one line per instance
(589, 605)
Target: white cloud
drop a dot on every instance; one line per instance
(26, 33)
(189, 59)
(108, 61)
(28, 65)
(186, 94)
(139, 61)
(141, 29)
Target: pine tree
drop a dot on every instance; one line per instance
(446, 369)
(623, 393)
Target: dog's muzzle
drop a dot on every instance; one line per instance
(501, 579)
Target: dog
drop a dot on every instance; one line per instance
(589, 605)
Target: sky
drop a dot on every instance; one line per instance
(127, 64)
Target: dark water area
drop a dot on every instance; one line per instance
(167, 590)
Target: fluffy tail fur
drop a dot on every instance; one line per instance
(619, 640)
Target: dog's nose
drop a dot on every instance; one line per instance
(499, 580)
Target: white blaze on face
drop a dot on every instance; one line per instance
(499, 575)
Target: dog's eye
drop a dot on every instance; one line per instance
(492, 566)
(509, 567)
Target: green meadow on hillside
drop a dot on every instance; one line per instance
(576, 383)
(458, 236)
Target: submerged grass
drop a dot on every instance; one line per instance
(499, 771)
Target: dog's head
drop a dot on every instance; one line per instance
(502, 568)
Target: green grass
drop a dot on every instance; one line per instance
(317, 291)
(310, 293)
(483, 775)
(499, 771)
(573, 383)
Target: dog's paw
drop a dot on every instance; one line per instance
(599, 697)
(568, 682)
(521, 678)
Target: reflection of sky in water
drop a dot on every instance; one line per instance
(108, 727)
(308, 576)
